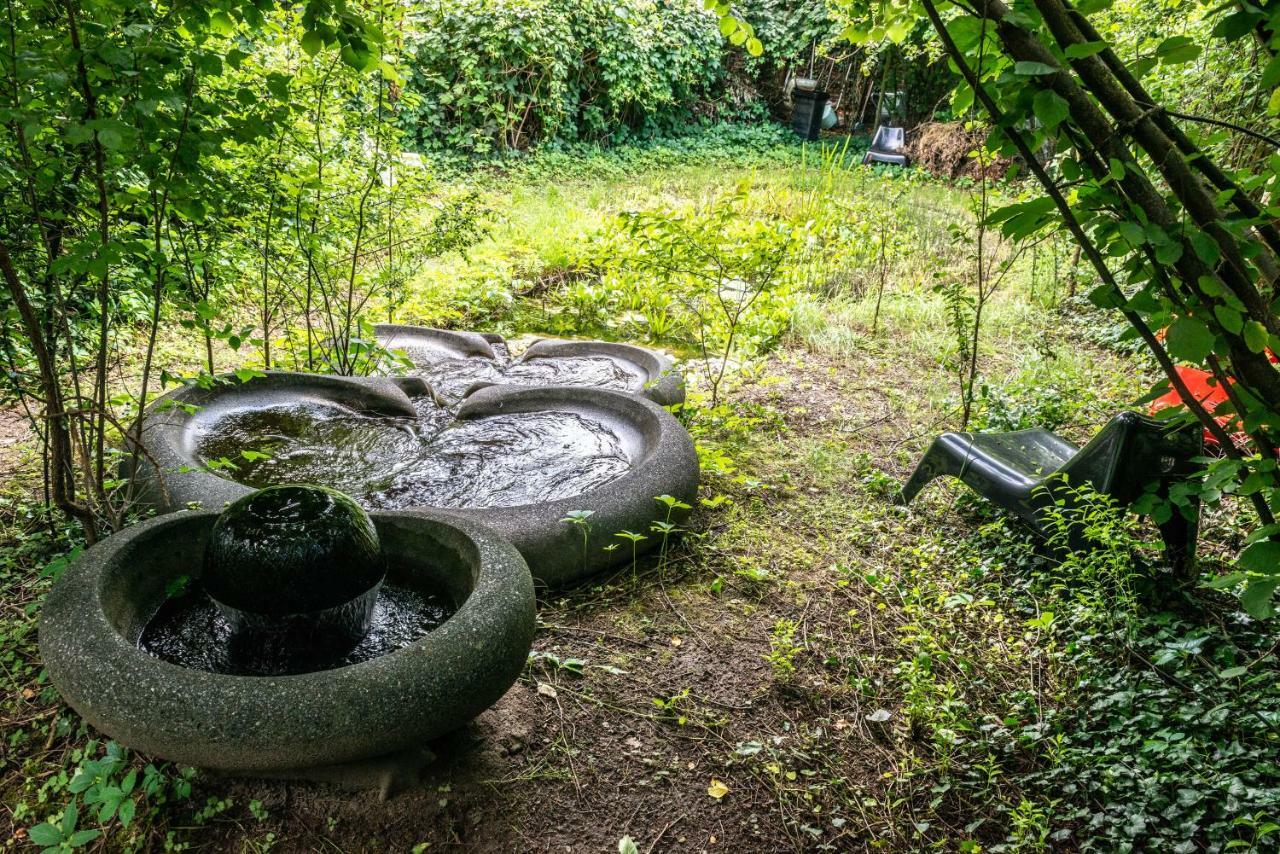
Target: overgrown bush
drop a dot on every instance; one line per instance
(503, 74)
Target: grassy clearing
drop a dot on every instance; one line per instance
(813, 668)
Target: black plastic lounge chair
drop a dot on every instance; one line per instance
(1130, 453)
(887, 146)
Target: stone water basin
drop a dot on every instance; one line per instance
(519, 459)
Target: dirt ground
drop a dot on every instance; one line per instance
(672, 727)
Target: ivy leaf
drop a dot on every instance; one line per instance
(1189, 339)
(1026, 68)
(1049, 108)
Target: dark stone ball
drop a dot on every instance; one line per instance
(292, 549)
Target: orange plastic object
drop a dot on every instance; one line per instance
(1204, 387)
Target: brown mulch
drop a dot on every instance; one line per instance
(944, 148)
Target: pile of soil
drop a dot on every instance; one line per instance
(943, 149)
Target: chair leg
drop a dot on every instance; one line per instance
(935, 463)
(1180, 534)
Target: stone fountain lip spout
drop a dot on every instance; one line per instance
(95, 613)
(663, 461)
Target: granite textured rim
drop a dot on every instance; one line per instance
(256, 724)
(663, 460)
(662, 382)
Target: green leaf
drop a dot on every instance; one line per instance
(69, 818)
(221, 23)
(1271, 74)
(1177, 49)
(1255, 336)
(1236, 26)
(754, 46)
(1049, 108)
(1231, 579)
(1206, 248)
(1273, 103)
(1189, 339)
(1027, 68)
(312, 42)
(727, 26)
(1231, 320)
(1135, 234)
(1262, 558)
(81, 838)
(1256, 598)
(45, 834)
(1080, 51)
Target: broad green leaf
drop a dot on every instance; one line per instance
(312, 42)
(45, 834)
(1255, 336)
(1189, 339)
(1177, 49)
(1206, 248)
(1027, 68)
(1049, 108)
(1080, 51)
(1262, 558)
(1231, 320)
(754, 46)
(1257, 598)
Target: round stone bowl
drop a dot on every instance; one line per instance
(96, 612)
(655, 376)
(662, 461)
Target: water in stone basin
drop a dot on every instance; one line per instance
(451, 377)
(190, 631)
(495, 461)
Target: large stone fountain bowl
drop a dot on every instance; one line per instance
(95, 614)
(663, 461)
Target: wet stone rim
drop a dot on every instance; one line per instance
(663, 459)
(96, 612)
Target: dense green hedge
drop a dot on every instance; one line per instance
(495, 74)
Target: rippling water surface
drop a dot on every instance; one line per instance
(190, 631)
(451, 376)
(495, 461)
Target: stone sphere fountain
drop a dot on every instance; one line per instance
(295, 571)
(292, 635)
